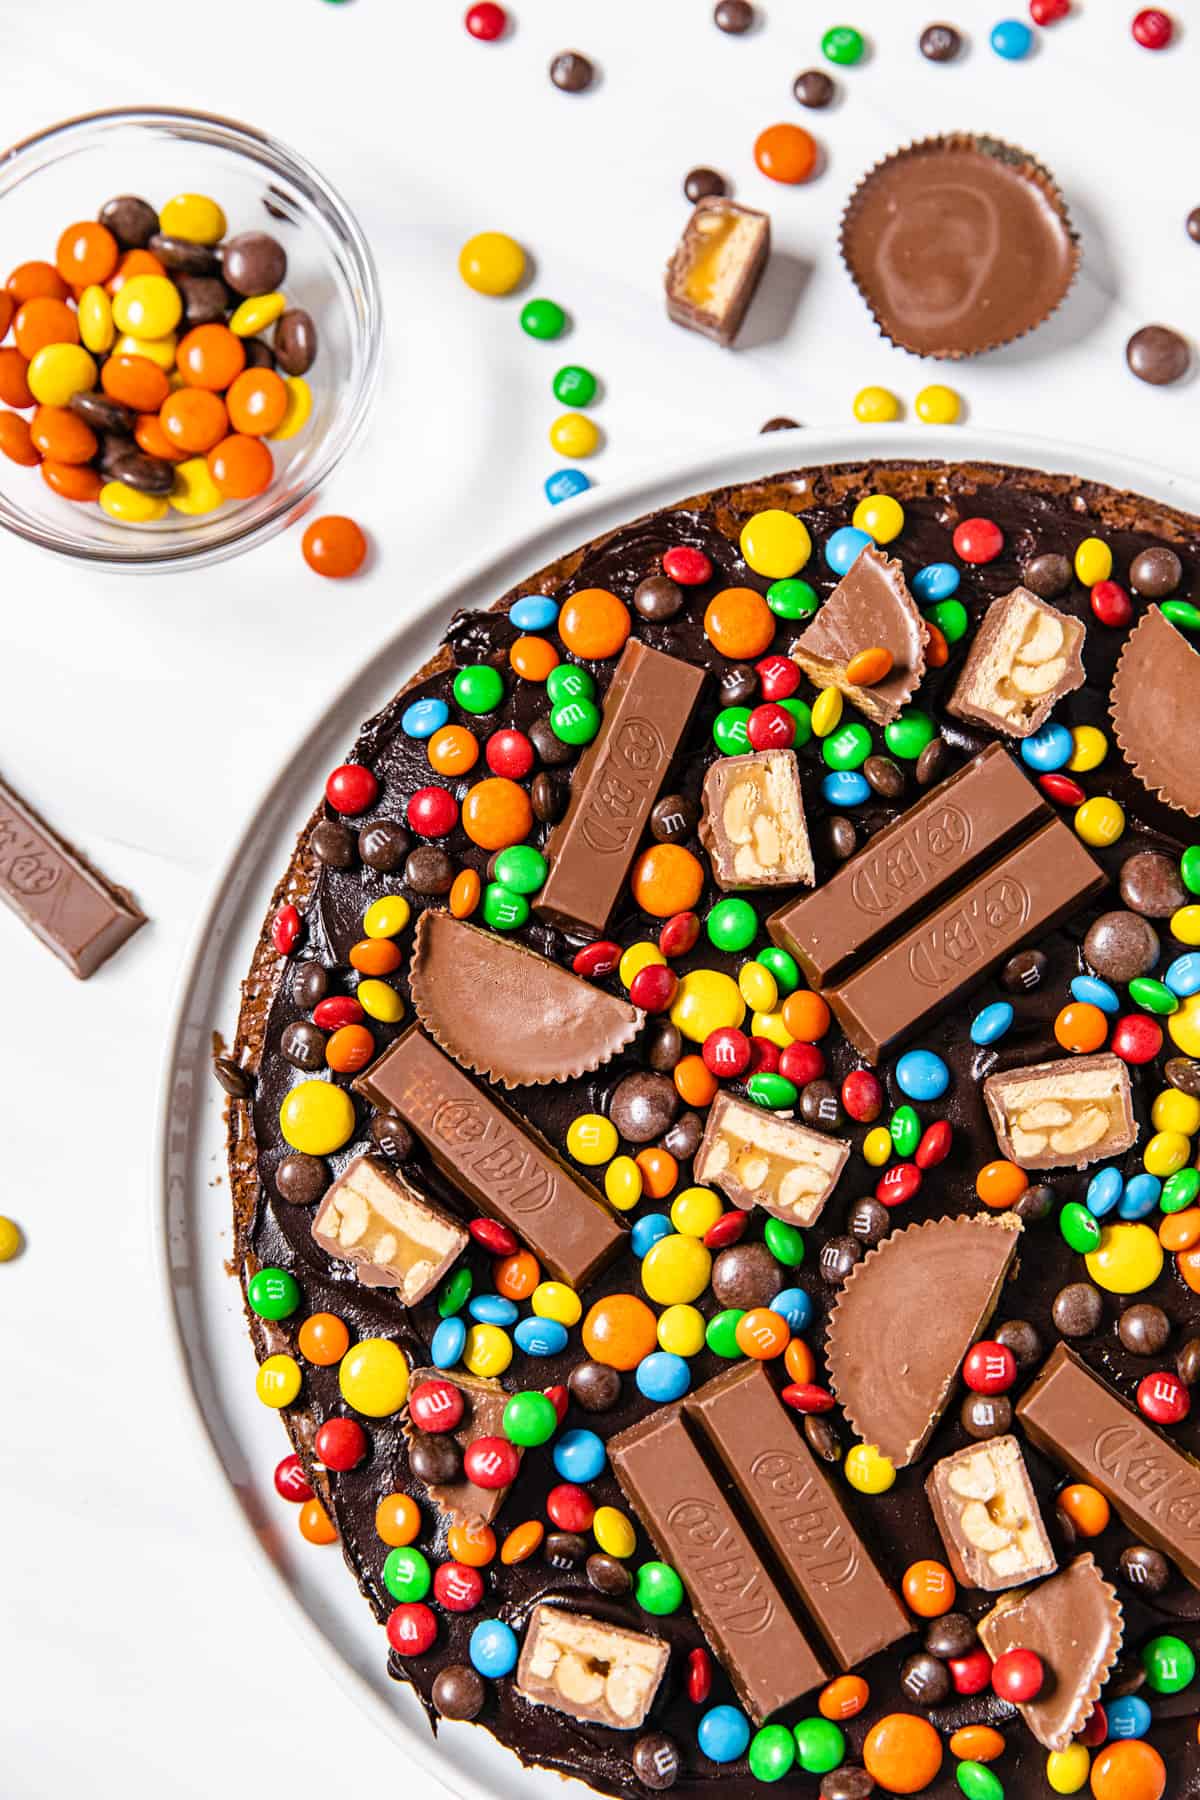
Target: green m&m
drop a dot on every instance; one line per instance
(1181, 613)
(521, 868)
(567, 681)
(273, 1294)
(1179, 1190)
(1189, 868)
(950, 617)
(908, 735)
(785, 1242)
(575, 721)
(848, 747)
(529, 1419)
(1080, 1230)
(659, 1589)
(479, 688)
(502, 909)
(1170, 1664)
(772, 1091)
(905, 1128)
(783, 967)
(792, 599)
(820, 1745)
(978, 1782)
(772, 1753)
(454, 1292)
(1153, 996)
(732, 925)
(801, 711)
(406, 1574)
(729, 730)
(574, 386)
(843, 44)
(720, 1334)
(543, 319)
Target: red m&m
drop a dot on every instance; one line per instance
(411, 1628)
(1018, 1676)
(436, 1405)
(1111, 604)
(457, 1587)
(291, 1483)
(491, 1462)
(989, 1368)
(1163, 1398)
(687, 566)
(1152, 28)
(486, 21)
(770, 727)
(351, 788)
(341, 1444)
(432, 812)
(978, 540)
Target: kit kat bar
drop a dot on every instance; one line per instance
(799, 1514)
(1078, 1421)
(955, 830)
(647, 710)
(504, 1167)
(740, 1609)
(1025, 894)
(77, 913)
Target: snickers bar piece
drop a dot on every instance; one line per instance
(954, 830)
(736, 1600)
(596, 1672)
(1078, 1421)
(1030, 891)
(647, 709)
(870, 608)
(1074, 1623)
(502, 1165)
(985, 1508)
(483, 1416)
(753, 824)
(757, 1158)
(392, 1236)
(800, 1514)
(77, 913)
(1024, 657)
(1067, 1113)
(716, 267)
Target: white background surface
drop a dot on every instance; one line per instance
(144, 715)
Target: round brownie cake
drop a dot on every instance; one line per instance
(713, 1139)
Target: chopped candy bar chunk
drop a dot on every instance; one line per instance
(753, 824)
(596, 1672)
(1063, 1114)
(716, 267)
(375, 1220)
(1025, 656)
(869, 609)
(986, 1510)
(759, 1159)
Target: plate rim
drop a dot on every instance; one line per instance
(800, 447)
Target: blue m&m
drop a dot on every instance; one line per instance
(1048, 749)
(936, 581)
(564, 484)
(1094, 992)
(1141, 1196)
(794, 1306)
(1128, 1716)
(1012, 39)
(580, 1456)
(1104, 1190)
(646, 1232)
(846, 787)
(1183, 976)
(541, 1337)
(991, 1023)
(662, 1376)
(423, 718)
(845, 547)
(533, 612)
(448, 1343)
(493, 1309)
(922, 1075)
(723, 1734)
(493, 1648)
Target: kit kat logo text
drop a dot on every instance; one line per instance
(27, 865)
(886, 877)
(617, 797)
(722, 1568)
(1164, 1483)
(964, 935)
(801, 1509)
(484, 1145)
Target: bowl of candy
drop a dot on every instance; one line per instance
(190, 337)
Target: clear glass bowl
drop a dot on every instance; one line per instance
(67, 173)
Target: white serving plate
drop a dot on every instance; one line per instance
(318, 1599)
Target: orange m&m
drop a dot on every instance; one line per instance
(315, 1524)
(16, 441)
(786, 153)
(194, 420)
(694, 1081)
(350, 1049)
(497, 813)
(594, 623)
(240, 466)
(929, 1589)
(398, 1520)
(619, 1331)
(739, 623)
(36, 281)
(762, 1334)
(667, 879)
(1128, 1770)
(210, 356)
(903, 1752)
(517, 1275)
(521, 1543)
(1000, 1184)
(1086, 1508)
(323, 1339)
(1081, 1027)
(977, 1743)
(151, 438)
(135, 381)
(452, 750)
(659, 1170)
(532, 658)
(14, 389)
(799, 1362)
(59, 433)
(1181, 1230)
(843, 1698)
(257, 400)
(72, 481)
(472, 1542)
(86, 253)
(464, 893)
(376, 956)
(43, 321)
(806, 1016)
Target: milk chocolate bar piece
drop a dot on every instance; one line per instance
(1062, 1114)
(716, 267)
(954, 830)
(590, 1669)
(757, 1158)
(753, 824)
(504, 1167)
(984, 1505)
(1077, 1420)
(1024, 657)
(799, 1513)
(1074, 1623)
(736, 1601)
(483, 1416)
(75, 911)
(1027, 893)
(869, 609)
(392, 1236)
(647, 709)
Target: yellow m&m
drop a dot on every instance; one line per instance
(1093, 561)
(881, 517)
(1166, 1152)
(373, 1377)
(775, 543)
(1175, 1111)
(1067, 1770)
(706, 1000)
(876, 406)
(489, 1350)
(491, 262)
(1091, 748)
(387, 916)
(758, 987)
(1128, 1259)
(194, 217)
(937, 405)
(555, 1300)
(278, 1380)
(613, 1532)
(827, 711)
(676, 1269)
(1099, 821)
(695, 1211)
(869, 1470)
(1185, 924)
(380, 1001)
(623, 1183)
(316, 1117)
(591, 1138)
(681, 1330)
(1184, 1026)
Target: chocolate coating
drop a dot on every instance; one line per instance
(703, 184)
(572, 72)
(1158, 355)
(254, 263)
(132, 220)
(1078, 1310)
(814, 88)
(940, 43)
(1121, 946)
(1144, 1329)
(1150, 884)
(746, 1275)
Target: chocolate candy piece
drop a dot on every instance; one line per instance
(823, 1440)
(104, 415)
(923, 208)
(869, 1220)
(932, 763)
(258, 354)
(1030, 891)
(716, 267)
(1036, 1203)
(131, 220)
(1150, 883)
(643, 1105)
(1024, 657)
(843, 839)
(254, 263)
(657, 598)
(1063, 1114)
(759, 1159)
(332, 844)
(826, 1561)
(940, 43)
(564, 1550)
(391, 1135)
(884, 776)
(646, 713)
(66, 903)
(608, 1575)
(550, 747)
(753, 824)
(1078, 1309)
(121, 460)
(951, 1636)
(206, 300)
(747, 1620)
(1024, 972)
(985, 1508)
(390, 1234)
(436, 1458)
(1144, 1570)
(383, 845)
(838, 1256)
(1120, 946)
(1075, 1624)
(673, 818)
(734, 16)
(684, 1138)
(951, 832)
(1023, 1339)
(548, 798)
(738, 684)
(512, 1015)
(429, 870)
(232, 1077)
(700, 184)
(820, 1106)
(180, 256)
(1144, 1329)
(870, 608)
(746, 1275)
(1158, 355)
(663, 1046)
(1187, 1362)
(1048, 575)
(850, 1782)
(1155, 573)
(779, 423)
(295, 341)
(1183, 1072)
(925, 1680)
(985, 1415)
(303, 1044)
(905, 1319)
(1077, 1420)
(590, 1669)
(813, 87)
(1155, 695)
(502, 1166)
(301, 1179)
(656, 1761)
(458, 1691)
(594, 1386)
(571, 72)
